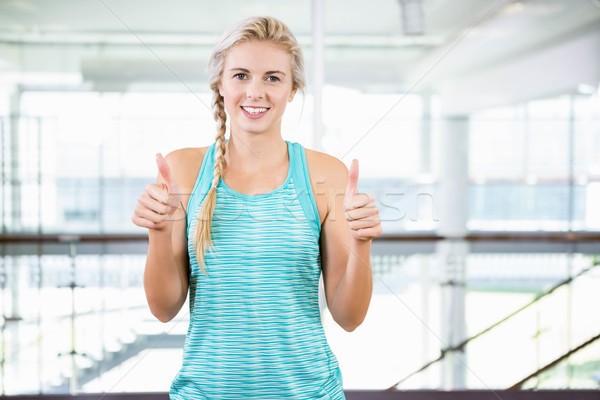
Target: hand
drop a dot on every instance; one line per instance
(360, 210)
(160, 201)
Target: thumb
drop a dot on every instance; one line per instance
(352, 187)
(165, 172)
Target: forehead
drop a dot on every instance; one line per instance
(258, 56)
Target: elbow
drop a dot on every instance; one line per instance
(164, 308)
(162, 316)
(351, 325)
(348, 319)
(161, 313)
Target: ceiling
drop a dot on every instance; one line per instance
(348, 17)
(123, 45)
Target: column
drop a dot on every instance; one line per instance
(452, 251)
(425, 137)
(13, 211)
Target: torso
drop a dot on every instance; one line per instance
(257, 308)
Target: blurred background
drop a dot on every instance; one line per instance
(477, 127)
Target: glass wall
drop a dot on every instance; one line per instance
(534, 166)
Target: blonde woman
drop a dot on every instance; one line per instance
(247, 225)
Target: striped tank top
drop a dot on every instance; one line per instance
(255, 328)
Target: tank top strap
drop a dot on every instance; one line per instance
(203, 182)
(301, 179)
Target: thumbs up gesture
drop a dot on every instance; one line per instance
(360, 210)
(160, 204)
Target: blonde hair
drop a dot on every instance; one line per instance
(255, 28)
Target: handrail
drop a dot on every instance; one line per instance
(69, 238)
(524, 236)
(86, 313)
(462, 344)
(551, 364)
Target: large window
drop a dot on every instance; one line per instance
(535, 166)
(76, 162)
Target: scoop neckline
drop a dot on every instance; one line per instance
(262, 195)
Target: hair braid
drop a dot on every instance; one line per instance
(204, 223)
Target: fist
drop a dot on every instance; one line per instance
(160, 204)
(360, 210)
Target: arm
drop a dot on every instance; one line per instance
(161, 210)
(352, 221)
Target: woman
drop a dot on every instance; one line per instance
(247, 225)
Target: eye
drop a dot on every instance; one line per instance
(273, 79)
(240, 76)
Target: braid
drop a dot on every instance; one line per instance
(204, 223)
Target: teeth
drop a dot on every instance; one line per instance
(253, 110)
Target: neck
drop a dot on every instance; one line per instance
(256, 150)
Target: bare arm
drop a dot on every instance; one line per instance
(161, 209)
(352, 221)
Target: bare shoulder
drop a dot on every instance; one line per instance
(183, 157)
(326, 169)
(328, 177)
(185, 165)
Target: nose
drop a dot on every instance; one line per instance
(255, 90)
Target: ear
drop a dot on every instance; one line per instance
(292, 94)
(220, 89)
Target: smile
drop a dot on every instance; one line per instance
(255, 110)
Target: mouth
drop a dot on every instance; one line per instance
(255, 111)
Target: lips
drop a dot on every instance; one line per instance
(254, 112)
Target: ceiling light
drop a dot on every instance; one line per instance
(412, 17)
(513, 8)
(584, 88)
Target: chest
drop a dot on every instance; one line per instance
(255, 182)
(265, 237)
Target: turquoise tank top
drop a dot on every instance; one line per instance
(255, 328)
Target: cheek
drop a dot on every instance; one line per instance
(230, 98)
(285, 98)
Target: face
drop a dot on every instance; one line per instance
(256, 87)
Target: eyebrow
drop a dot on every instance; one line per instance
(266, 73)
